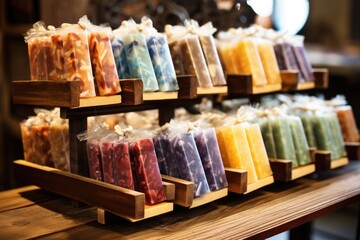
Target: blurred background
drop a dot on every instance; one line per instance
(331, 29)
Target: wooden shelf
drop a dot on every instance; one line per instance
(259, 184)
(120, 201)
(212, 90)
(284, 172)
(323, 161)
(243, 84)
(184, 193)
(290, 80)
(353, 150)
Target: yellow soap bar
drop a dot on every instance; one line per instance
(269, 62)
(249, 61)
(228, 58)
(258, 151)
(235, 150)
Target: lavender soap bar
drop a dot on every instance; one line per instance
(189, 162)
(165, 156)
(209, 152)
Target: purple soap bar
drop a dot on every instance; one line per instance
(189, 162)
(165, 156)
(304, 63)
(147, 171)
(209, 152)
(94, 159)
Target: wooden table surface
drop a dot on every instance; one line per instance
(30, 212)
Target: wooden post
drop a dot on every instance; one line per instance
(166, 114)
(78, 155)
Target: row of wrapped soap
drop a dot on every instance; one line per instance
(46, 142)
(263, 58)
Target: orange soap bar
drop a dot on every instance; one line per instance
(249, 61)
(348, 125)
(269, 62)
(258, 151)
(228, 57)
(235, 151)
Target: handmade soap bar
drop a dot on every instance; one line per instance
(268, 137)
(194, 61)
(165, 156)
(59, 142)
(147, 171)
(35, 55)
(235, 150)
(36, 144)
(58, 56)
(209, 152)
(139, 62)
(307, 121)
(103, 63)
(336, 136)
(50, 67)
(286, 58)
(304, 63)
(347, 122)
(77, 60)
(122, 67)
(189, 162)
(94, 159)
(212, 60)
(258, 151)
(249, 61)
(285, 148)
(228, 57)
(122, 165)
(162, 62)
(107, 160)
(324, 138)
(177, 58)
(269, 62)
(301, 146)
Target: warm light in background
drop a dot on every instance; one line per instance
(263, 8)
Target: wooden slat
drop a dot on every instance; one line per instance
(339, 162)
(321, 78)
(212, 90)
(154, 96)
(121, 201)
(302, 171)
(209, 197)
(169, 190)
(184, 191)
(100, 101)
(305, 86)
(47, 93)
(237, 180)
(41, 219)
(353, 150)
(22, 197)
(242, 84)
(259, 184)
(268, 211)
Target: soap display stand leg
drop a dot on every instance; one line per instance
(353, 150)
(323, 161)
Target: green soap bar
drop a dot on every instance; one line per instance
(307, 121)
(267, 134)
(323, 134)
(301, 146)
(337, 136)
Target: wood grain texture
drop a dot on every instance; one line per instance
(212, 90)
(290, 79)
(259, 184)
(281, 169)
(209, 197)
(47, 93)
(169, 191)
(187, 86)
(257, 215)
(120, 201)
(322, 160)
(339, 162)
(154, 96)
(237, 180)
(353, 150)
(242, 84)
(321, 78)
(302, 171)
(184, 190)
(132, 91)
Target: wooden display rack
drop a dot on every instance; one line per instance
(120, 201)
(184, 193)
(243, 84)
(290, 80)
(323, 161)
(353, 150)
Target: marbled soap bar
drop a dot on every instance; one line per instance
(269, 62)
(77, 60)
(337, 136)
(165, 156)
(235, 150)
(94, 159)
(58, 53)
(212, 60)
(268, 137)
(147, 171)
(347, 122)
(122, 165)
(162, 62)
(285, 148)
(107, 160)
(209, 152)
(139, 61)
(249, 61)
(177, 58)
(258, 151)
(59, 143)
(301, 146)
(324, 138)
(194, 61)
(103, 64)
(303, 62)
(307, 121)
(286, 58)
(118, 48)
(50, 67)
(189, 162)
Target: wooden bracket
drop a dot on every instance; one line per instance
(353, 150)
(243, 84)
(132, 91)
(321, 78)
(237, 180)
